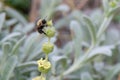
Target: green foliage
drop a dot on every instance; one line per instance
(99, 60)
(17, 4)
(8, 67)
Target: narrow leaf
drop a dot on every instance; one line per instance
(77, 37)
(27, 67)
(105, 4)
(27, 64)
(8, 68)
(17, 45)
(28, 27)
(114, 11)
(10, 36)
(104, 26)
(13, 13)
(86, 76)
(113, 72)
(29, 45)
(6, 48)
(10, 22)
(91, 29)
(2, 19)
(106, 50)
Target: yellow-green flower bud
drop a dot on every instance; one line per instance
(113, 4)
(49, 23)
(50, 31)
(43, 65)
(47, 47)
(39, 78)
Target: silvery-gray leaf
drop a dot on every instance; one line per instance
(13, 13)
(29, 27)
(63, 7)
(113, 72)
(8, 68)
(105, 4)
(98, 66)
(86, 76)
(112, 36)
(97, 17)
(106, 50)
(77, 37)
(17, 45)
(2, 19)
(67, 49)
(91, 27)
(18, 28)
(11, 22)
(6, 48)
(10, 36)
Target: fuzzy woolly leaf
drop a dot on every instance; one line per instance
(106, 50)
(105, 5)
(8, 68)
(113, 72)
(2, 19)
(29, 45)
(91, 29)
(86, 76)
(13, 13)
(114, 11)
(6, 48)
(17, 45)
(77, 37)
(10, 22)
(10, 36)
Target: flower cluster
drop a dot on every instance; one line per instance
(112, 4)
(43, 64)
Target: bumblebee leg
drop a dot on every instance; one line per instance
(41, 31)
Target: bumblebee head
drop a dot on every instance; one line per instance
(44, 21)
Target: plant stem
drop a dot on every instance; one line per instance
(46, 57)
(48, 39)
(79, 63)
(104, 26)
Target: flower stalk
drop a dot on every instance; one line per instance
(44, 65)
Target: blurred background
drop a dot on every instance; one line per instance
(31, 10)
(19, 38)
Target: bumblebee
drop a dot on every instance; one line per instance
(41, 23)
